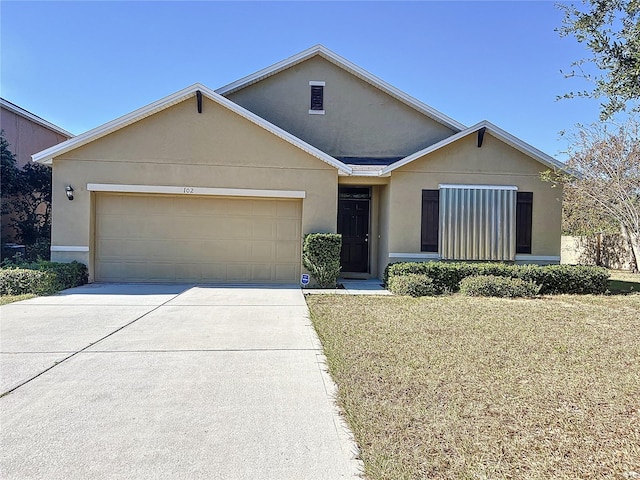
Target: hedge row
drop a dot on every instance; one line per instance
(552, 279)
(41, 278)
(492, 286)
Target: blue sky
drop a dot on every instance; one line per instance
(81, 64)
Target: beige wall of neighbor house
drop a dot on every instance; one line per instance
(180, 147)
(462, 162)
(26, 136)
(359, 120)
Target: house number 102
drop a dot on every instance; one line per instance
(188, 189)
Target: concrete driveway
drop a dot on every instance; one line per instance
(167, 381)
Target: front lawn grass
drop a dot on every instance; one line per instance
(484, 388)
(5, 299)
(622, 282)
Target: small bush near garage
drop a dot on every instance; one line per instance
(41, 278)
(494, 286)
(552, 279)
(413, 284)
(18, 281)
(321, 256)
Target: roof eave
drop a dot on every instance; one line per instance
(34, 118)
(46, 156)
(501, 134)
(350, 67)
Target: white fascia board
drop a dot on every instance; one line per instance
(350, 67)
(493, 130)
(199, 191)
(537, 258)
(423, 256)
(46, 156)
(34, 118)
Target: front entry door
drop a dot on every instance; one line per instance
(353, 224)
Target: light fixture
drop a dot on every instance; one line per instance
(69, 191)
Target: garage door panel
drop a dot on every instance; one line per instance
(287, 229)
(197, 239)
(289, 209)
(287, 251)
(263, 228)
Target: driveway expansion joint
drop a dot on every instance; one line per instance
(59, 362)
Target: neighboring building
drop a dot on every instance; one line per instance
(26, 134)
(221, 186)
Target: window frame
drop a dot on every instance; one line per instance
(430, 221)
(524, 222)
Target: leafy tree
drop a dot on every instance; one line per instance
(9, 173)
(26, 200)
(602, 190)
(611, 31)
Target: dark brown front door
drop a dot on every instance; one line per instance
(353, 224)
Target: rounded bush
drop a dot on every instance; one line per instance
(413, 284)
(495, 286)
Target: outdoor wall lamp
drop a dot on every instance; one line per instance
(69, 191)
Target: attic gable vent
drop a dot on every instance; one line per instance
(317, 97)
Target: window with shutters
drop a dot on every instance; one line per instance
(524, 221)
(430, 220)
(317, 97)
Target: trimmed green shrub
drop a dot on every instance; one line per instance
(17, 281)
(413, 284)
(321, 256)
(569, 279)
(41, 278)
(496, 286)
(553, 279)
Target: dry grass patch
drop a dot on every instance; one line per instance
(5, 299)
(476, 388)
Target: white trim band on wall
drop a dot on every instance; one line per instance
(538, 258)
(480, 187)
(69, 248)
(433, 256)
(188, 190)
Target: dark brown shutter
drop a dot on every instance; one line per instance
(430, 220)
(524, 220)
(317, 97)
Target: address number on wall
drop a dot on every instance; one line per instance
(189, 190)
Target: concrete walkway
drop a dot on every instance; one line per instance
(352, 287)
(168, 381)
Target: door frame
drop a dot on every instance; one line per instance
(363, 190)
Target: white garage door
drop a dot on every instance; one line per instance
(158, 238)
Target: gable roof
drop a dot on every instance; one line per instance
(320, 50)
(12, 107)
(497, 132)
(46, 156)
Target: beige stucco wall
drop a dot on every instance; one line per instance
(179, 147)
(462, 162)
(359, 120)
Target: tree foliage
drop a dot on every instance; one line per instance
(26, 199)
(611, 31)
(602, 190)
